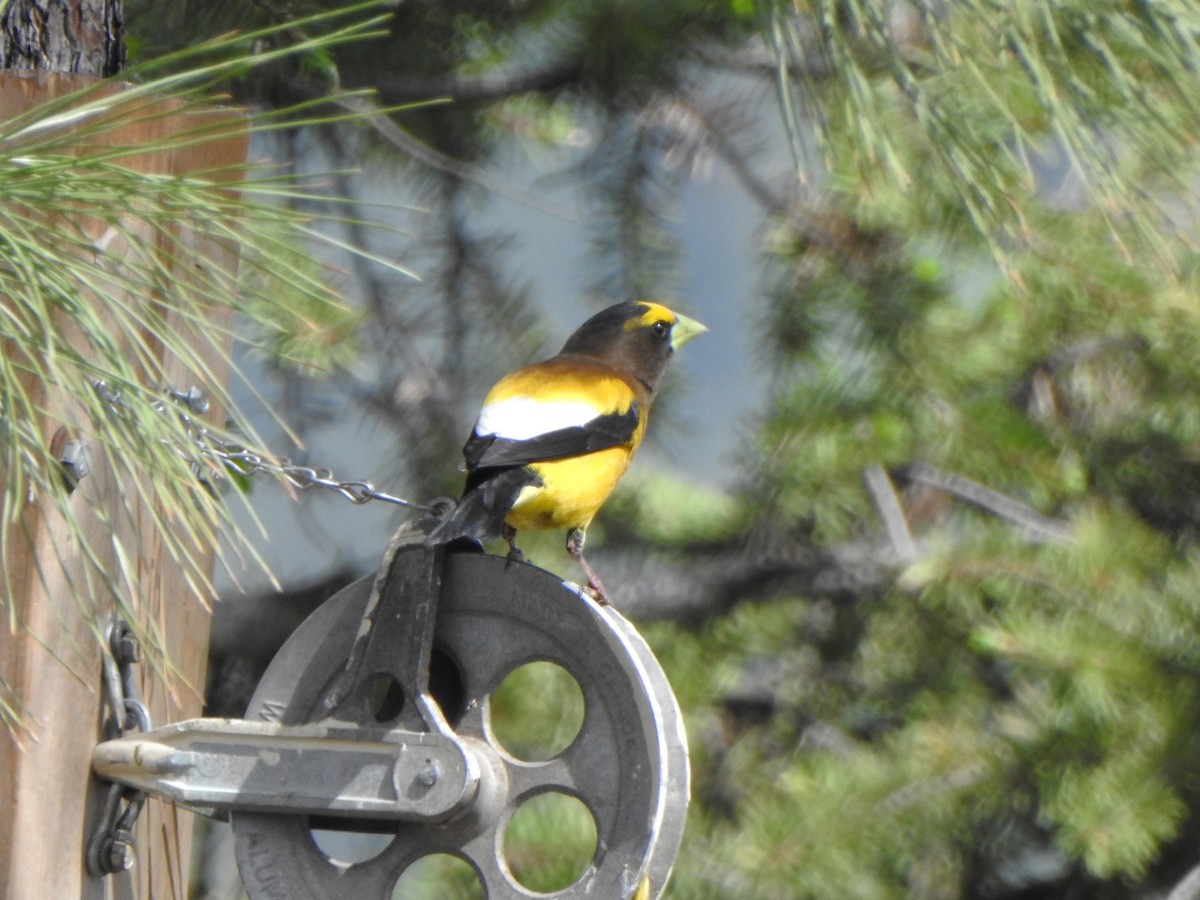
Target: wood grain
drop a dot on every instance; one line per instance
(51, 659)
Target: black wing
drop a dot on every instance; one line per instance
(602, 432)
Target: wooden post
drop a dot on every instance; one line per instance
(52, 659)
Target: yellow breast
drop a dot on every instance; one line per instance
(573, 490)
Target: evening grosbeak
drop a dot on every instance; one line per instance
(553, 439)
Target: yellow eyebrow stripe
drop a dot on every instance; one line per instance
(655, 312)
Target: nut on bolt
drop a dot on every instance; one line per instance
(117, 855)
(74, 457)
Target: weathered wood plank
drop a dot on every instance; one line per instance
(51, 660)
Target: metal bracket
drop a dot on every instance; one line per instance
(325, 769)
(395, 638)
(346, 764)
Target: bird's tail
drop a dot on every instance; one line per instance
(484, 505)
(469, 519)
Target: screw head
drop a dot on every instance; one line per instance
(429, 774)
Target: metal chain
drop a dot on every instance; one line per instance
(235, 458)
(111, 848)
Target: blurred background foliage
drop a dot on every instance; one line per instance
(935, 628)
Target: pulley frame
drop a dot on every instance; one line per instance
(436, 632)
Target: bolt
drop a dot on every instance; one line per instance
(429, 774)
(117, 855)
(74, 456)
(193, 398)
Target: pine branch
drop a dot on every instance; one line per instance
(710, 585)
(1039, 526)
(380, 121)
(774, 202)
(883, 493)
(486, 87)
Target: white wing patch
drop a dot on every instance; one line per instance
(522, 418)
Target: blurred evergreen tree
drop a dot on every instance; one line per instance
(982, 439)
(944, 640)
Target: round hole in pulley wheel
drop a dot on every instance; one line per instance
(385, 697)
(549, 842)
(537, 711)
(350, 847)
(439, 876)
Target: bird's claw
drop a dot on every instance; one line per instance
(596, 591)
(510, 537)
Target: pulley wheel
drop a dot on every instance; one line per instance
(627, 765)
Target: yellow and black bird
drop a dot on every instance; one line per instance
(553, 439)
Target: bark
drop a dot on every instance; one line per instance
(80, 36)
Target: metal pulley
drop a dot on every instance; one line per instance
(376, 716)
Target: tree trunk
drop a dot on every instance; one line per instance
(77, 36)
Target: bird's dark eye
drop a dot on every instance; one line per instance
(660, 329)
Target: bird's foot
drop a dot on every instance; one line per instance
(595, 590)
(510, 537)
(595, 587)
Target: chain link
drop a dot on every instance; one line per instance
(237, 459)
(111, 848)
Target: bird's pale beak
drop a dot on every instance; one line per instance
(684, 330)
